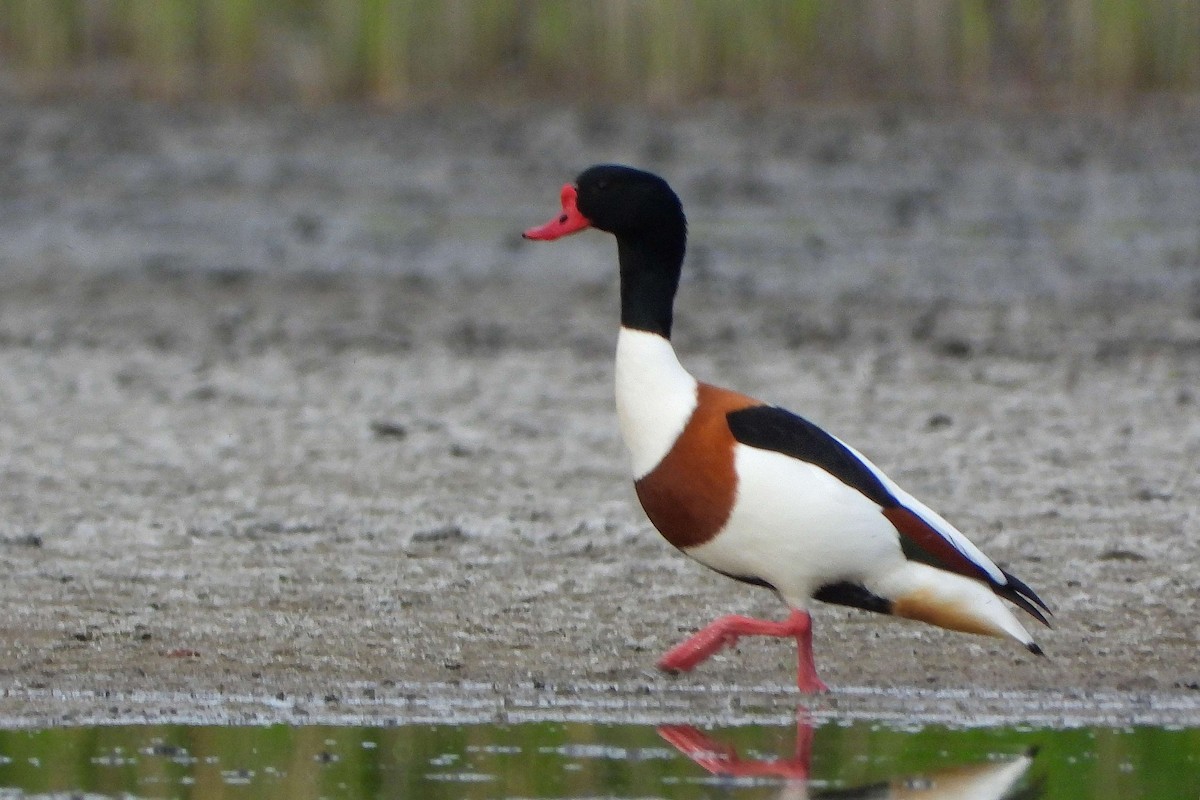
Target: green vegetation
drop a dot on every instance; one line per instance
(664, 51)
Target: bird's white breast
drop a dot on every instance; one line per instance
(655, 397)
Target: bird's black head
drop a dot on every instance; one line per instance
(629, 203)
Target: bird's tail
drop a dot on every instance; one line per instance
(948, 600)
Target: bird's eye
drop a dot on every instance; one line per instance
(602, 184)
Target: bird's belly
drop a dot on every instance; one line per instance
(798, 528)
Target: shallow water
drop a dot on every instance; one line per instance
(574, 759)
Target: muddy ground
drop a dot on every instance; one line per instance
(294, 427)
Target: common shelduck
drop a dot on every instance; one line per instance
(754, 491)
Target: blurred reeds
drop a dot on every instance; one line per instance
(661, 51)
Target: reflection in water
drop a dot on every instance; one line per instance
(835, 759)
(723, 759)
(984, 781)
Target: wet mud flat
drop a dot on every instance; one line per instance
(292, 426)
(297, 507)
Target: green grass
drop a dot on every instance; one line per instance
(661, 51)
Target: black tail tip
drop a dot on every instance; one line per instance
(1036, 649)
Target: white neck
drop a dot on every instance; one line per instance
(655, 397)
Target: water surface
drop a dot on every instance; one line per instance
(576, 759)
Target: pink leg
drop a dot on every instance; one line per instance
(807, 680)
(724, 632)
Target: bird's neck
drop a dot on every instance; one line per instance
(655, 394)
(649, 279)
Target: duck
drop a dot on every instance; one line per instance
(756, 492)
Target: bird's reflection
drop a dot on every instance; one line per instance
(991, 780)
